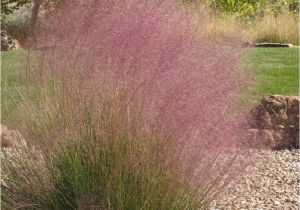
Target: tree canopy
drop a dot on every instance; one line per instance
(9, 6)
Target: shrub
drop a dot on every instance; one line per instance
(17, 24)
(250, 8)
(132, 111)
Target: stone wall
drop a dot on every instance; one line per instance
(275, 122)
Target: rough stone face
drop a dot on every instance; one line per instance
(16, 45)
(275, 122)
(7, 42)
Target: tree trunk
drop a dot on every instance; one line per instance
(34, 17)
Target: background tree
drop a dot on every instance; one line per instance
(9, 6)
(23, 29)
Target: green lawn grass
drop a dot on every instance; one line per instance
(12, 83)
(275, 69)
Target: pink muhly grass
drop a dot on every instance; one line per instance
(143, 71)
(162, 74)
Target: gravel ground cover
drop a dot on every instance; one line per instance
(271, 182)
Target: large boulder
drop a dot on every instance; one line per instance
(275, 122)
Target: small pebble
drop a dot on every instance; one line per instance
(271, 183)
(277, 203)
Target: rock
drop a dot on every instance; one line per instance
(278, 135)
(277, 203)
(293, 117)
(11, 138)
(276, 122)
(16, 45)
(267, 99)
(261, 136)
(267, 138)
(271, 182)
(281, 116)
(279, 127)
(293, 101)
(7, 42)
(260, 118)
(266, 120)
(274, 102)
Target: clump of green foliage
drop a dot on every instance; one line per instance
(17, 24)
(87, 172)
(9, 6)
(252, 8)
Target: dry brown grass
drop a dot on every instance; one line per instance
(219, 28)
(280, 29)
(283, 29)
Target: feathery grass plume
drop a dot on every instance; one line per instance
(133, 111)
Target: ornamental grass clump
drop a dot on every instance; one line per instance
(282, 28)
(132, 110)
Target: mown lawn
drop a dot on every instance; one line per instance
(275, 70)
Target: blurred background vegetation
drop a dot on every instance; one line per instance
(257, 20)
(252, 8)
(276, 71)
(21, 17)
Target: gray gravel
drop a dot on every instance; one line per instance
(271, 183)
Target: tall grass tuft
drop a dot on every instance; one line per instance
(281, 29)
(132, 111)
